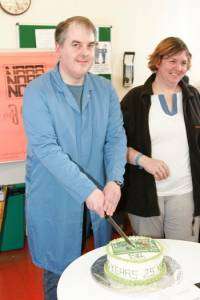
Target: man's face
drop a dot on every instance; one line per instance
(76, 53)
(173, 68)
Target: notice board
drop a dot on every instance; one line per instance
(27, 37)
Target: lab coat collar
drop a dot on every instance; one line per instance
(62, 88)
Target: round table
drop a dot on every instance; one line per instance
(77, 282)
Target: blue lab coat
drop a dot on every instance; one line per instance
(70, 153)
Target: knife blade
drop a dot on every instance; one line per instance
(118, 229)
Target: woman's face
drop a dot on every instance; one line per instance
(172, 68)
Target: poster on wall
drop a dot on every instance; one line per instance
(102, 61)
(44, 38)
(17, 69)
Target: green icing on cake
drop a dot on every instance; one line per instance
(142, 245)
(128, 282)
(138, 246)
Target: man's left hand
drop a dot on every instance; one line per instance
(112, 193)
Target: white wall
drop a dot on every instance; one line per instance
(136, 26)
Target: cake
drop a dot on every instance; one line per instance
(139, 264)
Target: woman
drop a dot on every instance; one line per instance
(162, 122)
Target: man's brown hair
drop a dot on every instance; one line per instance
(62, 27)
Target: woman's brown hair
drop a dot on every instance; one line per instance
(168, 47)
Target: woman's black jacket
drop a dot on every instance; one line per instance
(139, 195)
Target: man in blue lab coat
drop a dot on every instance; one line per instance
(76, 153)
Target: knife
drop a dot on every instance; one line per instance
(118, 229)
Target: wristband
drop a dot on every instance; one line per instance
(136, 160)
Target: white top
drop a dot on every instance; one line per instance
(169, 143)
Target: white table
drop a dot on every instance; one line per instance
(77, 282)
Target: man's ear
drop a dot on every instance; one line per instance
(57, 48)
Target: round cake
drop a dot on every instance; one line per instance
(139, 264)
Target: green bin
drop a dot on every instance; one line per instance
(13, 227)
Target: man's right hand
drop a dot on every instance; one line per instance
(95, 202)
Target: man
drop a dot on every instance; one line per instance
(76, 153)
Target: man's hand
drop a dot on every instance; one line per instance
(95, 202)
(157, 168)
(112, 194)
